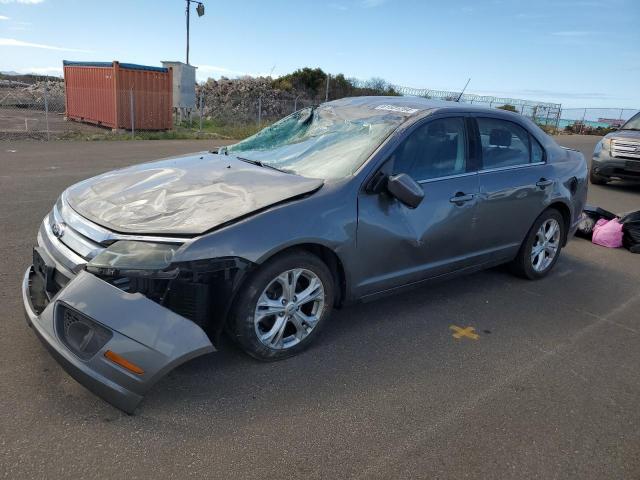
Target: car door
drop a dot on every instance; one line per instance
(514, 180)
(399, 245)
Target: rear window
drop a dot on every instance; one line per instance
(504, 143)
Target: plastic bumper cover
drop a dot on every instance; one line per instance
(607, 166)
(145, 333)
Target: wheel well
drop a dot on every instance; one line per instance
(566, 216)
(332, 261)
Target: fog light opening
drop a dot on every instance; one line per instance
(79, 333)
(123, 362)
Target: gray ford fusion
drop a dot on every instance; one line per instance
(141, 269)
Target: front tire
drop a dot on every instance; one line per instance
(282, 307)
(541, 248)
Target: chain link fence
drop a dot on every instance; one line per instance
(543, 113)
(595, 121)
(33, 111)
(38, 111)
(249, 109)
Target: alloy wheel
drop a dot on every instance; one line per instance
(546, 245)
(289, 308)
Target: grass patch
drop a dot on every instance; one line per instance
(211, 130)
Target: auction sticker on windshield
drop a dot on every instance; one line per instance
(394, 108)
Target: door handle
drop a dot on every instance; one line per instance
(462, 197)
(543, 183)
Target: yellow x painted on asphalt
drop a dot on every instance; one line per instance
(467, 332)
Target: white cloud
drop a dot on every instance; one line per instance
(529, 16)
(12, 42)
(572, 33)
(203, 70)
(56, 71)
(372, 3)
(24, 2)
(42, 70)
(2, 17)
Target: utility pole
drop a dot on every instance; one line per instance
(200, 12)
(188, 14)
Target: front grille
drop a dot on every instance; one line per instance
(79, 333)
(70, 233)
(625, 149)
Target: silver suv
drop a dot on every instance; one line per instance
(617, 155)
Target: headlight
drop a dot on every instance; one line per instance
(606, 144)
(133, 256)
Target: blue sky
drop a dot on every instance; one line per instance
(576, 52)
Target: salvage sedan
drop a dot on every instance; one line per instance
(141, 269)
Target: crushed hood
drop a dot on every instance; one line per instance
(183, 196)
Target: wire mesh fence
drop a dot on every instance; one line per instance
(543, 113)
(35, 111)
(593, 120)
(41, 111)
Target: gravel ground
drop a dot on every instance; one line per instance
(549, 390)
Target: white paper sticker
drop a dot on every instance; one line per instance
(394, 108)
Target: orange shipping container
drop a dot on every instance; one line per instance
(102, 92)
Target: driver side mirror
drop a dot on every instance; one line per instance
(405, 189)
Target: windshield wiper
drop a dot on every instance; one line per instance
(264, 165)
(634, 129)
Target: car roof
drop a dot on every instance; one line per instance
(413, 107)
(410, 106)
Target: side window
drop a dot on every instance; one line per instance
(537, 153)
(435, 149)
(504, 143)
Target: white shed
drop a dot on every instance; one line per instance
(184, 85)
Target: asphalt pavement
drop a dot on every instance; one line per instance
(549, 389)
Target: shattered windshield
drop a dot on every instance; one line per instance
(320, 142)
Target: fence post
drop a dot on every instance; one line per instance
(260, 110)
(46, 107)
(584, 115)
(133, 118)
(326, 93)
(201, 111)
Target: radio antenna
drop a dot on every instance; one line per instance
(462, 92)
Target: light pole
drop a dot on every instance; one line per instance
(200, 11)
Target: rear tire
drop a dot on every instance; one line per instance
(282, 307)
(541, 247)
(596, 179)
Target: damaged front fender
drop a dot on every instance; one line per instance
(89, 318)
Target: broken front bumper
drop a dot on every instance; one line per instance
(149, 336)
